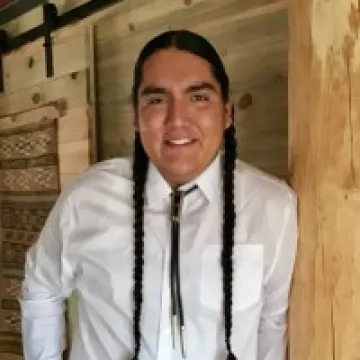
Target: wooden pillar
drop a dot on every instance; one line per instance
(324, 103)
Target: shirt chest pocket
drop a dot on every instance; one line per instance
(248, 260)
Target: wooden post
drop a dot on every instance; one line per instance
(324, 103)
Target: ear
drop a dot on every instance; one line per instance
(228, 114)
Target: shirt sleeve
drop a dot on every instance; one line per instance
(273, 323)
(48, 281)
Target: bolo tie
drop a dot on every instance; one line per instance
(177, 312)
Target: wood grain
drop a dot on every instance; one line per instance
(74, 156)
(142, 16)
(74, 126)
(30, 117)
(26, 68)
(71, 87)
(325, 166)
(74, 144)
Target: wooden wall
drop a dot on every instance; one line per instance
(27, 88)
(251, 37)
(324, 122)
(34, 17)
(69, 97)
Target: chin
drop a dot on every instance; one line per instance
(181, 174)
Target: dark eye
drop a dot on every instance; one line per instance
(155, 100)
(199, 97)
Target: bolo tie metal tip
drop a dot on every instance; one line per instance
(182, 338)
(173, 330)
(178, 333)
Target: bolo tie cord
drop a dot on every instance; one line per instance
(177, 312)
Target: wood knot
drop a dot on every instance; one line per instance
(74, 75)
(132, 27)
(245, 101)
(187, 2)
(61, 106)
(30, 62)
(36, 98)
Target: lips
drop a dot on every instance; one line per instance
(184, 141)
(181, 143)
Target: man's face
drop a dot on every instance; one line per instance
(181, 116)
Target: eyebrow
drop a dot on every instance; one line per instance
(158, 90)
(201, 86)
(152, 90)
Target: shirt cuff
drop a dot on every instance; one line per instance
(31, 309)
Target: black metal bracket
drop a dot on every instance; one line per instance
(15, 8)
(50, 16)
(3, 46)
(51, 22)
(71, 16)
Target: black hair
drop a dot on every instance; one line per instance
(197, 45)
(140, 168)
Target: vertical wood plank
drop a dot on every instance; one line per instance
(325, 166)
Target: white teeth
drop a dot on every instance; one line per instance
(180, 141)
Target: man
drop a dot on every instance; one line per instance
(182, 251)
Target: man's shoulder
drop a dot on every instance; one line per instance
(111, 172)
(255, 184)
(120, 167)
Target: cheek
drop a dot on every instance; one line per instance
(211, 123)
(151, 131)
(151, 120)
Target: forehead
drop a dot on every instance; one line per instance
(175, 67)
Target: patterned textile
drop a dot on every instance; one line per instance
(29, 187)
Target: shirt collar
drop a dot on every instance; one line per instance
(209, 182)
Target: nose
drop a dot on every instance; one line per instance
(176, 114)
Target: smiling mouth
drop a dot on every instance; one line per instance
(178, 142)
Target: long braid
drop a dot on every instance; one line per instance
(140, 166)
(228, 233)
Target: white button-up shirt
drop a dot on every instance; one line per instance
(87, 245)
